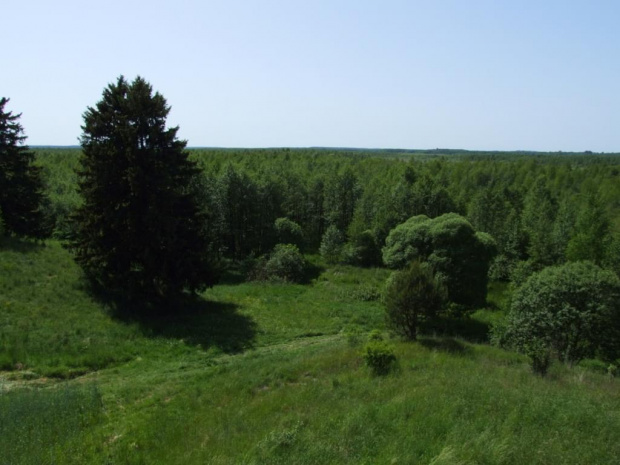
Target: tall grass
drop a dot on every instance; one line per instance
(46, 426)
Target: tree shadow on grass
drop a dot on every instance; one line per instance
(445, 344)
(311, 271)
(465, 328)
(192, 319)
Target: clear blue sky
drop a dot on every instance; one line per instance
(506, 75)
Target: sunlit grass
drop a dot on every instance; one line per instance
(269, 373)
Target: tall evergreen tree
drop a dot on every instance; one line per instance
(140, 230)
(21, 185)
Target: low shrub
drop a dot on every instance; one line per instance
(378, 355)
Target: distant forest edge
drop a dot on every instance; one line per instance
(392, 152)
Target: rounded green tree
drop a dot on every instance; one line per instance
(286, 263)
(460, 255)
(139, 230)
(571, 310)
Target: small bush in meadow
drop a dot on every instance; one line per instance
(285, 263)
(378, 355)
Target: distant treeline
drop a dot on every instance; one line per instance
(541, 208)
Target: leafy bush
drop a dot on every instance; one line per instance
(459, 254)
(378, 355)
(412, 297)
(331, 245)
(572, 310)
(285, 263)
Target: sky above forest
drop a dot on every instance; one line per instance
(478, 75)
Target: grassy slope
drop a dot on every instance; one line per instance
(263, 374)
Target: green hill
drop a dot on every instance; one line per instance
(270, 373)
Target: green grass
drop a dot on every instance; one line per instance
(257, 373)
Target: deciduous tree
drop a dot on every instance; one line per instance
(571, 310)
(451, 245)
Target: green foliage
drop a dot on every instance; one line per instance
(538, 218)
(450, 244)
(342, 192)
(362, 250)
(412, 297)
(289, 232)
(612, 257)
(571, 310)
(521, 272)
(139, 230)
(378, 355)
(246, 209)
(285, 263)
(591, 236)
(430, 198)
(332, 245)
(22, 195)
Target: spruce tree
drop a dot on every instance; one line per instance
(140, 230)
(21, 185)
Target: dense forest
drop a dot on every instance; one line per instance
(541, 209)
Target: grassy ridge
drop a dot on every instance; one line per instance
(265, 373)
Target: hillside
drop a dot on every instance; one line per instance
(270, 373)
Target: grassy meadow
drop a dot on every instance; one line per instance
(260, 373)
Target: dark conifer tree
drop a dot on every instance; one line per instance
(140, 230)
(21, 185)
